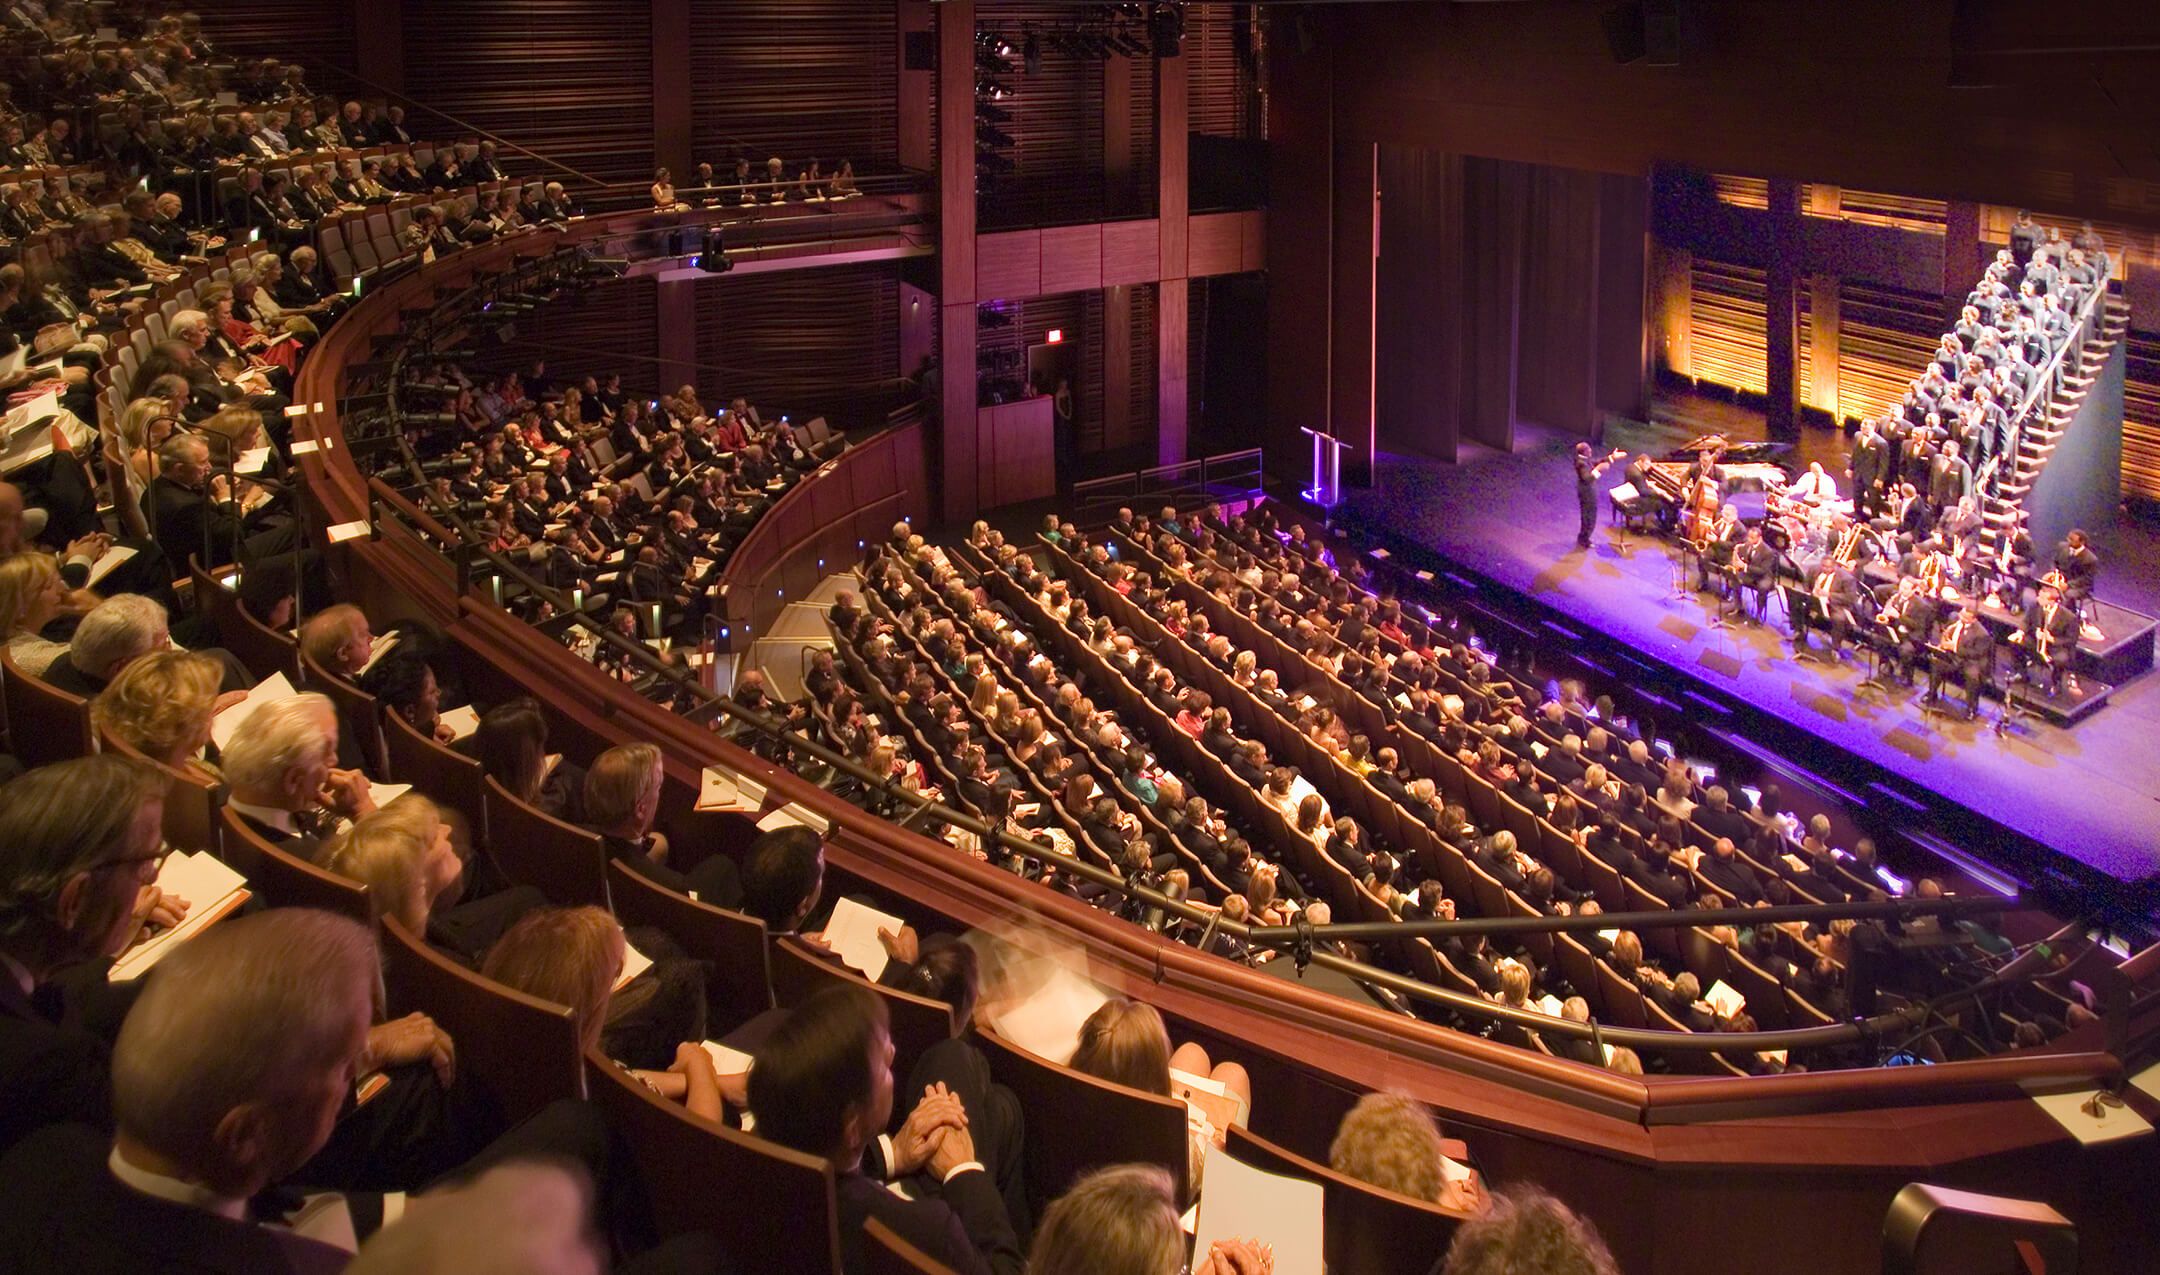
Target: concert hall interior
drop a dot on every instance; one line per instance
(864, 637)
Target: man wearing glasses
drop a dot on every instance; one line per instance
(80, 846)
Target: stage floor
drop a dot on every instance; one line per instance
(2091, 791)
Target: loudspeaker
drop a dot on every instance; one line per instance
(919, 51)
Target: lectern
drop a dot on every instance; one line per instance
(1327, 450)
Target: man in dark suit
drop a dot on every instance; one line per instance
(1717, 817)
(1869, 469)
(177, 1191)
(1949, 478)
(1828, 604)
(278, 768)
(1755, 569)
(1723, 868)
(1964, 650)
(823, 1084)
(2079, 566)
(188, 504)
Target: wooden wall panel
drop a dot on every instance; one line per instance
(1008, 264)
(1132, 252)
(1018, 449)
(808, 343)
(572, 79)
(1072, 258)
(315, 35)
(1215, 244)
(795, 78)
(2141, 419)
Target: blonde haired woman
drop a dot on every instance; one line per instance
(403, 855)
(1125, 1042)
(1392, 1142)
(574, 957)
(162, 704)
(663, 194)
(31, 597)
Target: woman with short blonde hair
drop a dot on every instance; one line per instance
(161, 706)
(31, 597)
(402, 854)
(1391, 1141)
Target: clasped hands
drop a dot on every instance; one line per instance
(934, 1136)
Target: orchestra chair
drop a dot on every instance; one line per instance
(739, 987)
(355, 707)
(888, 1254)
(782, 1213)
(519, 1052)
(261, 648)
(532, 847)
(192, 802)
(449, 777)
(1365, 1230)
(45, 723)
(916, 1022)
(1100, 1123)
(285, 880)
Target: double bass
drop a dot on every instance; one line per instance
(1698, 510)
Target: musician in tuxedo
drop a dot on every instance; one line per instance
(1827, 603)
(2078, 566)
(1904, 621)
(2049, 634)
(1647, 491)
(1755, 570)
(1588, 469)
(1869, 468)
(1964, 650)
(1717, 551)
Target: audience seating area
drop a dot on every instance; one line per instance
(496, 934)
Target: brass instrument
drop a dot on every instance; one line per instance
(1848, 547)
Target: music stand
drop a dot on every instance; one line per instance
(1327, 450)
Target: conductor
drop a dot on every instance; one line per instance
(1588, 469)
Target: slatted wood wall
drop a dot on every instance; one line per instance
(572, 79)
(610, 327)
(1906, 212)
(1726, 341)
(1885, 338)
(1056, 127)
(794, 78)
(1222, 98)
(808, 343)
(318, 34)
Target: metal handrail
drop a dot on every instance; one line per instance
(1299, 939)
(2047, 378)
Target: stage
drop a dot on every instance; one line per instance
(2090, 792)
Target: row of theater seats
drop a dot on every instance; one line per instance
(521, 1053)
(1613, 997)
